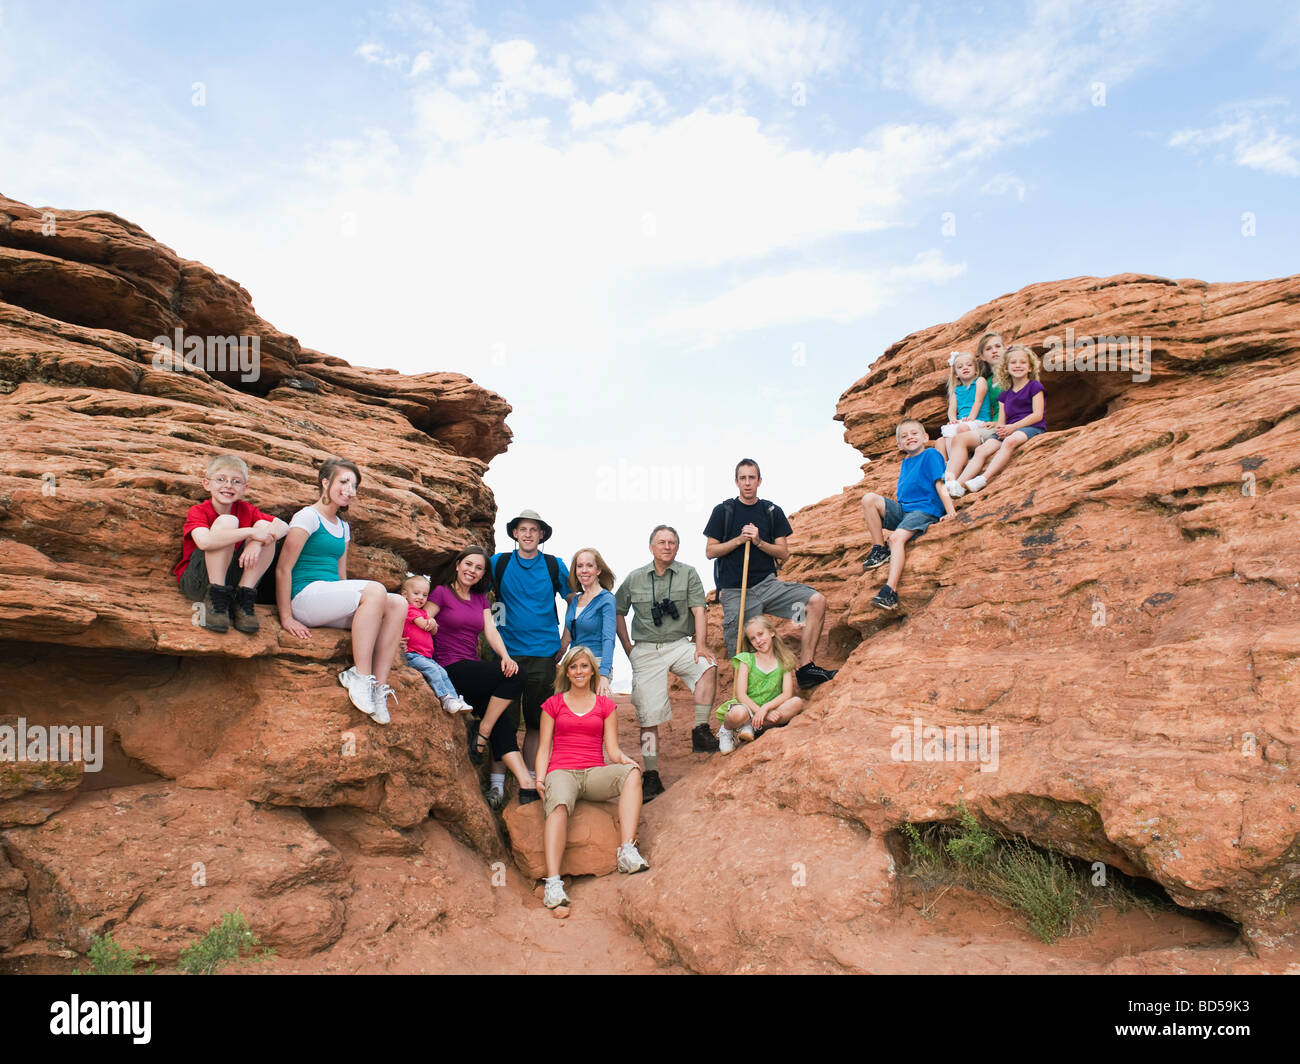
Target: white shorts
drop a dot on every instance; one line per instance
(328, 603)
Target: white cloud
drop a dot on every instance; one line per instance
(727, 38)
(521, 74)
(1047, 64)
(1249, 135)
(1001, 184)
(835, 295)
(607, 108)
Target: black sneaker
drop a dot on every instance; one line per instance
(811, 675)
(651, 785)
(242, 614)
(876, 558)
(216, 612)
(703, 741)
(886, 598)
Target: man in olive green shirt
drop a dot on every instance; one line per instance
(666, 598)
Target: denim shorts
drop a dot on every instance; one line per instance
(915, 521)
(1030, 432)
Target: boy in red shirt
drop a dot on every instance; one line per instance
(210, 568)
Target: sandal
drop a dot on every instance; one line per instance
(478, 743)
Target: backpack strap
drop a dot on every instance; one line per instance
(728, 514)
(553, 567)
(498, 571)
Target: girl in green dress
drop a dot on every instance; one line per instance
(765, 695)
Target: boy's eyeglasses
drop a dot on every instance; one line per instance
(227, 482)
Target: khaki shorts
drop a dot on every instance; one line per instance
(564, 786)
(651, 664)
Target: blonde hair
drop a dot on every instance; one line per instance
(1003, 377)
(562, 670)
(909, 421)
(605, 578)
(784, 655)
(953, 380)
(411, 581)
(227, 461)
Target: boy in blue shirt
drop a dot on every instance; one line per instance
(922, 500)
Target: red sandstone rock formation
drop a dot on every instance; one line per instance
(1115, 604)
(106, 438)
(1120, 604)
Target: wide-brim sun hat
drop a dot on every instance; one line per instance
(529, 515)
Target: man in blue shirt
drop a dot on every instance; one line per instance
(922, 500)
(527, 583)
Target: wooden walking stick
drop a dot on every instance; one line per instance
(744, 586)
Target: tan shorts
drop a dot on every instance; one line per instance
(564, 786)
(651, 664)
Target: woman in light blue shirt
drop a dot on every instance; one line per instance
(590, 620)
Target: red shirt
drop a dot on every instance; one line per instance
(418, 641)
(202, 515)
(579, 741)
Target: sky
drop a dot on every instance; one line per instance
(669, 233)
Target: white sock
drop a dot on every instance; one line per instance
(497, 781)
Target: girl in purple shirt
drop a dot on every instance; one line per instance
(1023, 411)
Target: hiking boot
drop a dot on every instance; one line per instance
(726, 740)
(216, 613)
(886, 598)
(651, 785)
(702, 740)
(358, 687)
(528, 795)
(242, 613)
(811, 675)
(876, 557)
(555, 896)
(629, 860)
(495, 799)
(379, 699)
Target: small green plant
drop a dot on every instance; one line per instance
(1046, 888)
(108, 958)
(230, 941)
(1041, 885)
(973, 845)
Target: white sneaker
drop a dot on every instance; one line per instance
(629, 860)
(955, 490)
(359, 687)
(746, 734)
(463, 706)
(726, 740)
(555, 896)
(379, 696)
(976, 483)
(451, 705)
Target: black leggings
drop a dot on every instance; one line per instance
(479, 681)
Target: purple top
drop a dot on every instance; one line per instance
(459, 625)
(1020, 404)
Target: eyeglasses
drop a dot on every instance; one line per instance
(227, 482)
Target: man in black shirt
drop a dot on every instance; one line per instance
(764, 526)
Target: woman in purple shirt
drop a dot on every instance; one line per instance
(463, 612)
(1023, 411)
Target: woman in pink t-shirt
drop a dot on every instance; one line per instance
(579, 757)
